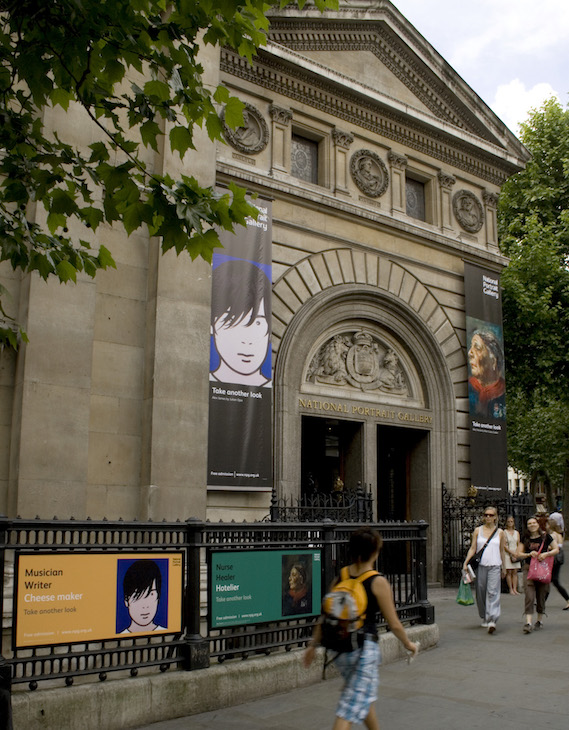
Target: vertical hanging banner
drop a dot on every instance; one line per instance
(240, 374)
(486, 381)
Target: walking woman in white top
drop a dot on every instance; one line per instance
(491, 569)
(512, 537)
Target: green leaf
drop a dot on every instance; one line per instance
(55, 221)
(157, 89)
(149, 132)
(105, 259)
(92, 217)
(180, 140)
(62, 97)
(234, 112)
(66, 272)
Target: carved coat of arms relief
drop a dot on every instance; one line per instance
(361, 361)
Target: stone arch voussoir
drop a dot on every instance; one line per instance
(337, 267)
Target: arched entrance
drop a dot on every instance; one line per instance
(387, 420)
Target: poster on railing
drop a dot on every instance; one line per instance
(486, 381)
(253, 586)
(76, 597)
(240, 369)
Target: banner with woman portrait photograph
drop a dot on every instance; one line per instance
(486, 381)
(240, 375)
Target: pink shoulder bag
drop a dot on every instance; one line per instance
(541, 570)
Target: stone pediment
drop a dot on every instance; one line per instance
(369, 45)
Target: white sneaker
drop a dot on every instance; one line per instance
(491, 627)
(484, 625)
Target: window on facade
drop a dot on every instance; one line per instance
(304, 159)
(415, 194)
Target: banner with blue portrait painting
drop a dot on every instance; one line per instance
(486, 381)
(240, 371)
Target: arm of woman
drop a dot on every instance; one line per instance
(503, 552)
(471, 549)
(382, 591)
(310, 651)
(552, 549)
(521, 551)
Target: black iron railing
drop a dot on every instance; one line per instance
(355, 505)
(403, 561)
(462, 514)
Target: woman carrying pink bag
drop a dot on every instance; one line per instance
(536, 548)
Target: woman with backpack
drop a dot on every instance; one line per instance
(360, 666)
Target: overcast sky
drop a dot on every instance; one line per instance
(513, 53)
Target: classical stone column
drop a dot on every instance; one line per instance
(342, 143)
(490, 210)
(397, 164)
(49, 429)
(176, 384)
(280, 139)
(446, 182)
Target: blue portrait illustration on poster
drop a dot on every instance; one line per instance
(142, 595)
(240, 350)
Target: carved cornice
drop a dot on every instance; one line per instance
(342, 139)
(328, 35)
(271, 74)
(490, 199)
(280, 115)
(446, 180)
(396, 160)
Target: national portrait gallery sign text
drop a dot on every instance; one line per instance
(354, 409)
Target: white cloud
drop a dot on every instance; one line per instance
(513, 101)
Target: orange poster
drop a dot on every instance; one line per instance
(75, 597)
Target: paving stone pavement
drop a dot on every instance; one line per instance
(471, 679)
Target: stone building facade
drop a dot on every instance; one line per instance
(384, 170)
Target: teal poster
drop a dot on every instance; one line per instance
(254, 586)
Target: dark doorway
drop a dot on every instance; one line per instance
(331, 451)
(402, 469)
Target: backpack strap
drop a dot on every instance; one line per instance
(366, 575)
(345, 574)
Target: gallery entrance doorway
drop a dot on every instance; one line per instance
(332, 455)
(402, 473)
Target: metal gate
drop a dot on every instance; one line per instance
(462, 514)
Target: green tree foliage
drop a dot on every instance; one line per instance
(133, 67)
(534, 233)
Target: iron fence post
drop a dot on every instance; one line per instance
(328, 568)
(274, 512)
(5, 667)
(427, 610)
(195, 651)
(360, 494)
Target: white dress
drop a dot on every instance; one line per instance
(512, 542)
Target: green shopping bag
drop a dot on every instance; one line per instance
(464, 596)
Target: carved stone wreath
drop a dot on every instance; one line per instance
(369, 173)
(252, 137)
(359, 360)
(468, 211)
